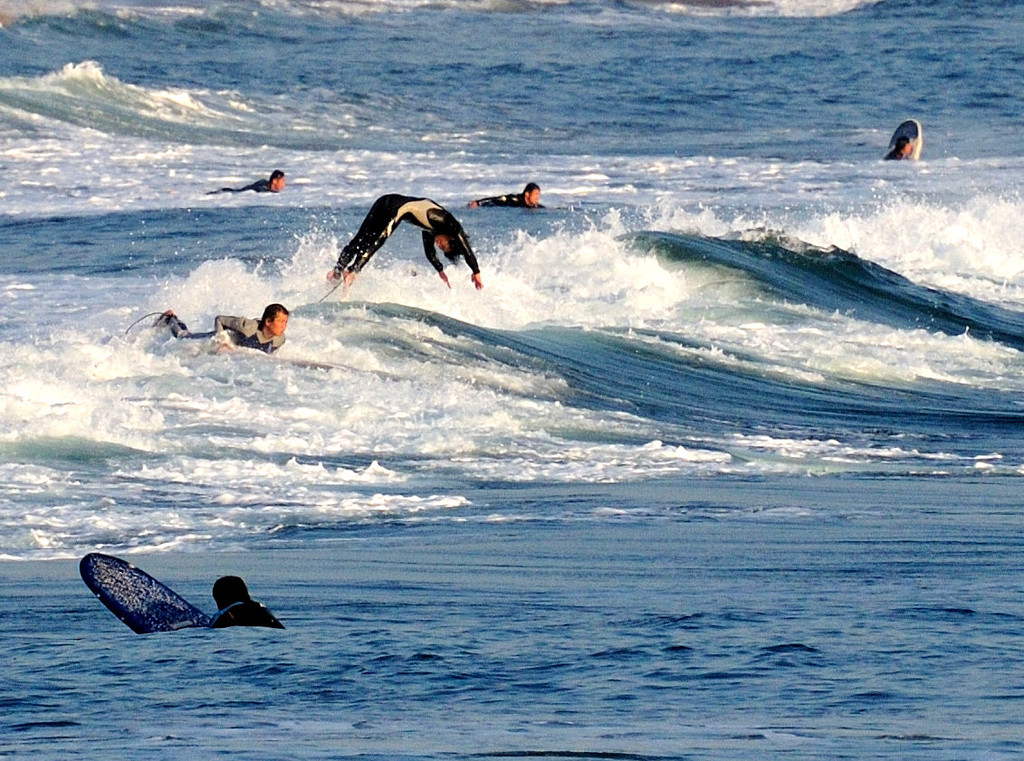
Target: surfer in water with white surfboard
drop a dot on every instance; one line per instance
(440, 231)
(906, 142)
(266, 335)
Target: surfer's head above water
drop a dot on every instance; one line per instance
(274, 320)
(236, 608)
(902, 148)
(531, 195)
(228, 590)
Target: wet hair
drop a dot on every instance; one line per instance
(270, 314)
(902, 142)
(228, 590)
(459, 246)
(530, 187)
(276, 174)
(459, 242)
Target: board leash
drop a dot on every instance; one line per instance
(151, 314)
(340, 282)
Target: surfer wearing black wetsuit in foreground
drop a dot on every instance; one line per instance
(439, 227)
(236, 608)
(266, 335)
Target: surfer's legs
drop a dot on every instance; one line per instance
(376, 228)
(177, 327)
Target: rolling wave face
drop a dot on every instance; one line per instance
(689, 391)
(838, 281)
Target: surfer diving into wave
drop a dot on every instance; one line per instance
(440, 230)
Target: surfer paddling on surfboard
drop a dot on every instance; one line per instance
(265, 335)
(273, 184)
(528, 199)
(440, 231)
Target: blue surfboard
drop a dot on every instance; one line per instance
(136, 598)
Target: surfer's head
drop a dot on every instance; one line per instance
(452, 242)
(274, 320)
(531, 195)
(276, 181)
(228, 590)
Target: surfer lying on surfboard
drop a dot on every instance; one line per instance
(274, 184)
(266, 335)
(528, 199)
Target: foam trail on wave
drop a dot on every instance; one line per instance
(795, 8)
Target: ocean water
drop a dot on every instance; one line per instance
(724, 462)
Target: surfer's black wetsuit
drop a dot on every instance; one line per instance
(242, 331)
(260, 186)
(511, 199)
(245, 613)
(387, 213)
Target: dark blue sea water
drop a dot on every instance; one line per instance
(722, 463)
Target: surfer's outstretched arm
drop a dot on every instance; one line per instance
(447, 234)
(430, 251)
